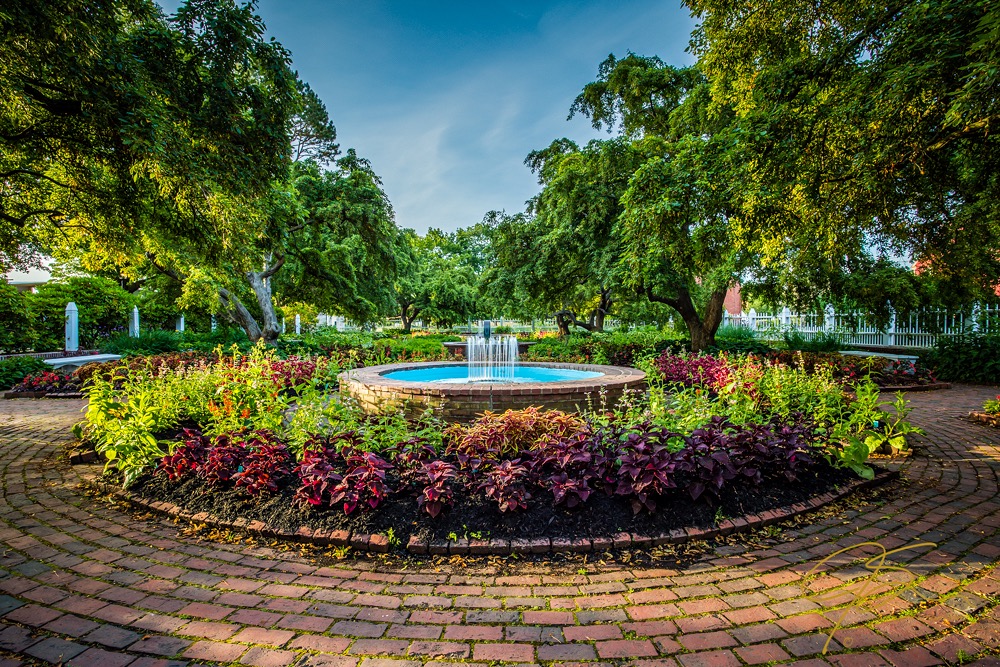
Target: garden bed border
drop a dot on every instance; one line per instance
(985, 419)
(42, 394)
(934, 386)
(379, 543)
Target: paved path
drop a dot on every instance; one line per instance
(89, 584)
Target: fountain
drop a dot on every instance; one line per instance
(490, 379)
(491, 359)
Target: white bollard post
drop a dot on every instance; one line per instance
(72, 327)
(133, 323)
(298, 324)
(180, 323)
(890, 334)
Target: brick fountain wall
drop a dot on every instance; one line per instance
(456, 402)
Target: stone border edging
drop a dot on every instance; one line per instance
(934, 386)
(985, 418)
(379, 543)
(42, 394)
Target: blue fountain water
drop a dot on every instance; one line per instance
(459, 374)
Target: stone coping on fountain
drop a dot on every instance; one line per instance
(458, 402)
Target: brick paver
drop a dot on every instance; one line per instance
(87, 582)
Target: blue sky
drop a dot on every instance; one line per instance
(447, 98)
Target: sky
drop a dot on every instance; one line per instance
(447, 98)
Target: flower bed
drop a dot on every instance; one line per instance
(255, 440)
(525, 475)
(48, 383)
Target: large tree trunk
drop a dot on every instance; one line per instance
(603, 307)
(239, 314)
(562, 322)
(702, 329)
(407, 318)
(260, 283)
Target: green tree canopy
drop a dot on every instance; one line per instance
(432, 282)
(866, 130)
(126, 126)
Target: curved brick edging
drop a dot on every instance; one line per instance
(935, 386)
(42, 394)
(378, 543)
(464, 402)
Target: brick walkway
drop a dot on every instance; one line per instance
(89, 584)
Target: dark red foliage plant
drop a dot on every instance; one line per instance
(223, 461)
(437, 493)
(187, 457)
(264, 466)
(317, 476)
(410, 457)
(505, 484)
(694, 371)
(647, 466)
(364, 483)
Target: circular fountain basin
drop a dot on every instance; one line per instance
(445, 387)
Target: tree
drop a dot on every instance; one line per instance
(574, 269)
(432, 283)
(676, 225)
(318, 234)
(123, 126)
(866, 128)
(15, 324)
(103, 311)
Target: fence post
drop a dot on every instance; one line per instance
(282, 324)
(829, 318)
(298, 324)
(72, 327)
(976, 315)
(133, 323)
(786, 318)
(753, 319)
(890, 335)
(180, 323)
(214, 323)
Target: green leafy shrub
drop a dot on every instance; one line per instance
(15, 322)
(618, 348)
(738, 340)
(820, 342)
(968, 358)
(14, 369)
(103, 306)
(151, 342)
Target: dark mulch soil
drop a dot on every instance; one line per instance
(476, 516)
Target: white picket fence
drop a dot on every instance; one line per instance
(918, 329)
